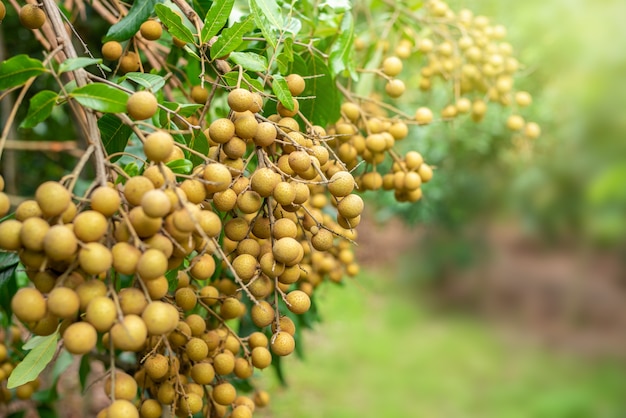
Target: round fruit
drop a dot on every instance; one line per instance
(341, 184)
(130, 334)
(95, 258)
(33, 232)
(129, 62)
(90, 225)
(350, 206)
(63, 302)
(112, 50)
(298, 302)
(423, 115)
(156, 204)
(158, 146)
(161, 318)
(157, 367)
(60, 243)
(90, 290)
(105, 200)
(3, 13)
(224, 393)
(199, 94)
(80, 338)
(218, 177)
(27, 209)
(202, 373)
(10, 235)
(224, 363)
(52, 198)
(150, 408)
(29, 305)
(392, 66)
(142, 105)
(32, 17)
(240, 100)
(262, 314)
(151, 30)
(196, 349)
(152, 264)
(515, 122)
(296, 84)
(282, 344)
(287, 251)
(101, 313)
(122, 408)
(395, 88)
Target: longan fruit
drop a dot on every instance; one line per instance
(532, 130)
(202, 267)
(3, 13)
(240, 100)
(63, 302)
(112, 50)
(130, 334)
(132, 301)
(151, 264)
(32, 16)
(186, 298)
(426, 172)
(157, 288)
(286, 324)
(52, 198)
(150, 408)
(157, 367)
(189, 404)
(262, 314)
(151, 30)
(80, 338)
(60, 243)
(341, 184)
(221, 130)
(129, 62)
(135, 188)
(101, 313)
(423, 115)
(161, 318)
(265, 134)
(28, 305)
(243, 368)
(194, 190)
(105, 200)
(122, 408)
(261, 398)
(5, 204)
(224, 363)
(515, 122)
(245, 127)
(392, 66)
(224, 394)
(90, 225)
(196, 349)
(288, 251)
(32, 233)
(298, 302)
(202, 373)
(261, 357)
(350, 206)
(209, 295)
(89, 290)
(231, 308)
(28, 209)
(156, 203)
(158, 146)
(209, 222)
(218, 177)
(197, 324)
(282, 344)
(296, 84)
(125, 258)
(285, 112)
(395, 88)
(199, 94)
(142, 105)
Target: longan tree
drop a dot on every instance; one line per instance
(225, 147)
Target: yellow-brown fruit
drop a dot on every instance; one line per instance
(132, 301)
(3, 13)
(156, 203)
(186, 298)
(515, 122)
(125, 386)
(532, 130)
(105, 200)
(157, 367)
(286, 325)
(27, 209)
(209, 295)
(52, 198)
(10, 235)
(161, 318)
(89, 290)
(265, 134)
(202, 373)
(296, 84)
(151, 30)
(423, 115)
(166, 393)
(157, 288)
(392, 66)
(341, 184)
(5, 204)
(194, 190)
(130, 334)
(125, 258)
(80, 338)
(350, 206)
(90, 225)
(241, 411)
(122, 408)
(112, 50)
(150, 408)
(60, 243)
(63, 302)
(426, 172)
(257, 339)
(152, 264)
(189, 404)
(101, 313)
(224, 363)
(395, 88)
(221, 130)
(261, 357)
(218, 177)
(28, 305)
(285, 112)
(196, 349)
(262, 314)
(33, 232)
(264, 180)
(245, 127)
(224, 393)
(287, 251)
(282, 344)
(202, 267)
(142, 105)
(129, 62)
(199, 94)
(298, 302)
(323, 240)
(158, 145)
(261, 398)
(231, 308)
(135, 188)
(32, 16)
(243, 368)
(240, 100)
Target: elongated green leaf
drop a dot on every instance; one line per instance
(72, 64)
(174, 23)
(325, 108)
(181, 166)
(101, 97)
(183, 109)
(341, 51)
(215, 19)
(200, 144)
(83, 371)
(281, 90)
(114, 134)
(41, 105)
(151, 82)
(232, 79)
(42, 350)
(202, 6)
(249, 60)
(8, 283)
(267, 18)
(126, 28)
(231, 38)
(17, 70)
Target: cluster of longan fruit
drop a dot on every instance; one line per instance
(10, 341)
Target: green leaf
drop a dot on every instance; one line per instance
(17, 70)
(200, 144)
(215, 19)
(181, 166)
(249, 60)
(42, 350)
(101, 97)
(202, 6)
(126, 28)
(72, 64)
(341, 52)
(151, 82)
(114, 134)
(83, 371)
(231, 38)
(174, 23)
(8, 283)
(281, 90)
(232, 79)
(183, 109)
(41, 105)
(325, 108)
(268, 18)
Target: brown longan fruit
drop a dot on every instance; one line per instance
(63, 302)
(257, 339)
(224, 363)
(246, 127)
(135, 188)
(196, 349)
(157, 288)
(151, 30)
(28, 305)
(80, 338)
(105, 200)
(298, 302)
(150, 408)
(202, 373)
(89, 290)
(426, 172)
(60, 243)
(129, 62)
(32, 233)
(285, 112)
(28, 209)
(112, 50)
(262, 314)
(287, 251)
(5, 204)
(240, 100)
(142, 105)
(395, 88)
(161, 318)
(156, 203)
(157, 367)
(158, 146)
(350, 206)
(132, 301)
(218, 177)
(101, 313)
(282, 344)
(130, 334)
(286, 324)
(265, 134)
(231, 308)
(52, 198)
(125, 258)
(199, 94)
(261, 398)
(515, 122)
(261, 357)
(221, 130)
(243, 369)
(124, 385)
(296, 84)
(392, 66)
(122, 408)
(202, 267)
(186, 298)
(32, 16)
(152, 264)
(423, 115)
(90, 225)
(224, 394)
(189, 404)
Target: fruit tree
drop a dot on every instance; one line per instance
(225, 148)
